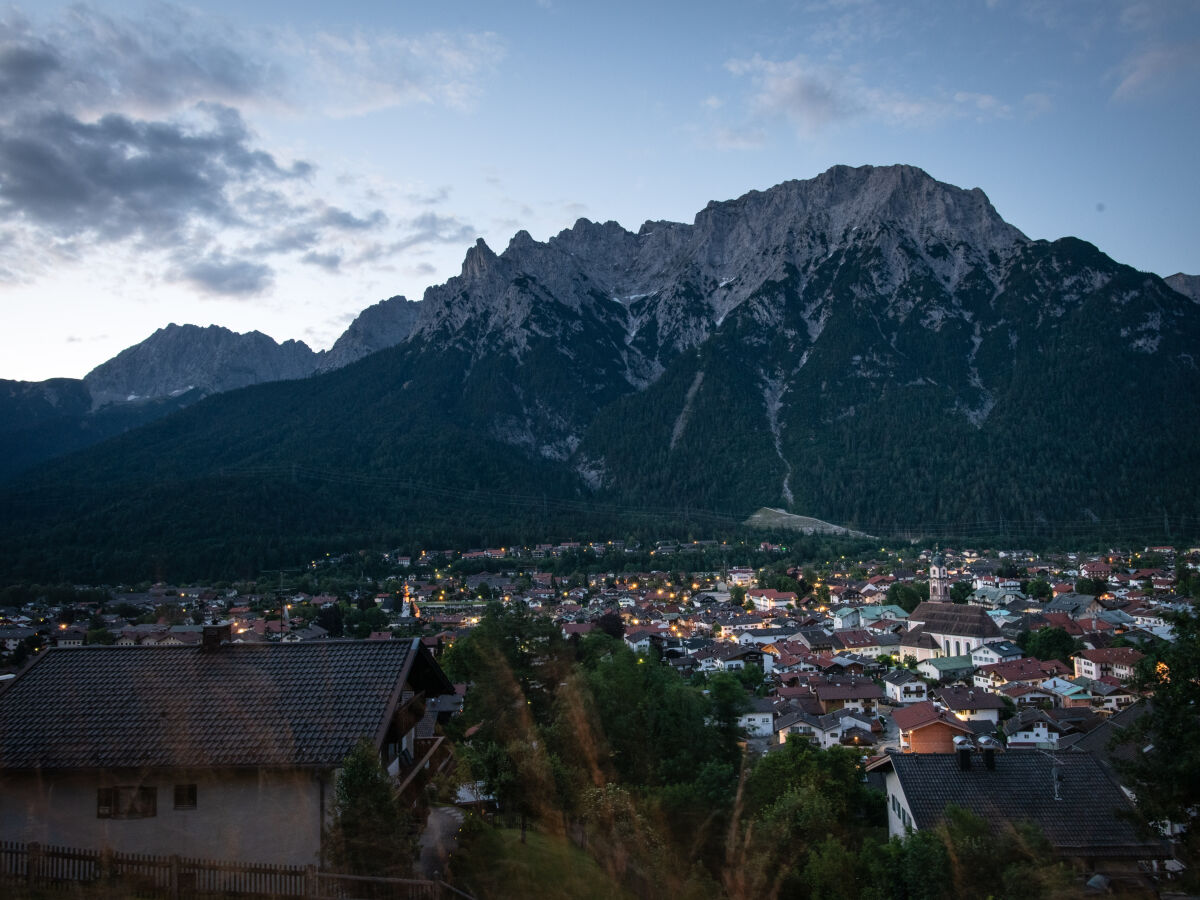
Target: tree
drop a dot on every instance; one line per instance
(1162, 773)
(1050, 643)
(1091, 586)
(750, 676)
(907, 596)
(737, 595)
(729, 700)
(330, 618)
(612, 625)
(960, 591)
(1039, 589)
(370, 833)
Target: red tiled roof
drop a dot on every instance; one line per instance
(920, 715)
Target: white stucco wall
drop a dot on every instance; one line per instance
(251, 816)
(900, 820)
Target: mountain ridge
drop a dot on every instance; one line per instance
(871, 347)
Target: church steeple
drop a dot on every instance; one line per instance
(939, 578)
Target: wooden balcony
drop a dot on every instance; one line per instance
(432, 757)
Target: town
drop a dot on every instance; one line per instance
(950, 677)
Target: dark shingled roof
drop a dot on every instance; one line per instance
(955, 618)
(300, 704)
(1086, 822)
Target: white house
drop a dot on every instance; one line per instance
(994, 652)
(903, 686)
(757, 721)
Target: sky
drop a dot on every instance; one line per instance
(280, 166)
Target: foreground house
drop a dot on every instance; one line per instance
(224, 751)
(1070, 796)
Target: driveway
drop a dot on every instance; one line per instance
(439, 840)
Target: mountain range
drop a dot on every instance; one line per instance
(171, 369)
(871, 347)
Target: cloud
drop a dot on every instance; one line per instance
(1157, 68)
(430, 197)
(740, 138)
(132, 131)
(815, 97)
(431, 228)
(355, 73)
(332, 217)
(119, 177)
(219, 274)
(23, 69)
(88, 62)
(986, 105)
(328, 261)
(423, 230)
(811, 96)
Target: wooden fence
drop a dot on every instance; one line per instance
(136, 874)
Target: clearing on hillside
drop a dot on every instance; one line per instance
(768, 517)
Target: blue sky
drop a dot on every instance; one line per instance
(280, 166)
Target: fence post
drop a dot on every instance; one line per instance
(106, 865)
(33, 862)
(174, 877)
(310, 881)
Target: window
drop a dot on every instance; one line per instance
(185, 796)
(126, 802)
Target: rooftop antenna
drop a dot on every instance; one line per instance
(1056, 772)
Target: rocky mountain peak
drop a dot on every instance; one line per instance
(478, 261)
(180, 358)
(1188, 285)
(377, 327)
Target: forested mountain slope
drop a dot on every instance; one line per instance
(871, 347)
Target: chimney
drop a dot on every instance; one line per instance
(216, 635)
(989, 744)
(962, 745)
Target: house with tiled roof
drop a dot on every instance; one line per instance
(1023, 694)
(768, 599)
(1071, 797)
(220, 750)
(904, 687)
(1028, 669)
(928, 728)
(996, 651)
(973, 704)
(1117, 662)
(1032, 727)
(1074, 605)
(859, 695)
(946, 668)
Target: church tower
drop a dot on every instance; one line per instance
(939, 578)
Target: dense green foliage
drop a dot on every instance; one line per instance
(371, 832)
(587, 742)
(1161, 769)
(1049, 643)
